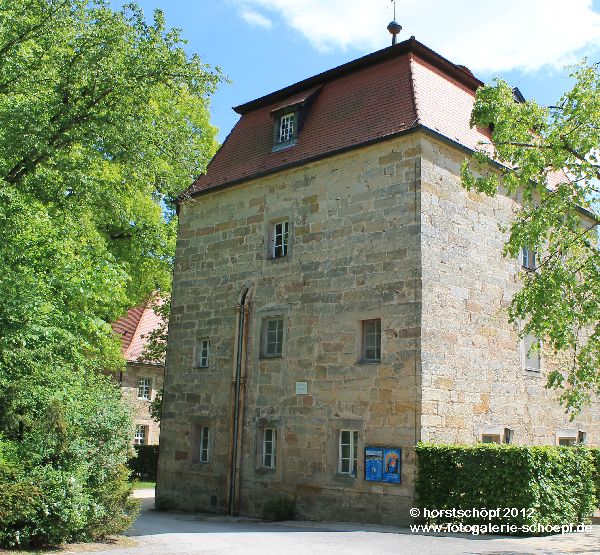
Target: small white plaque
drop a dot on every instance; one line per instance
(301, 388)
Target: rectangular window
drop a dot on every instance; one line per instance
(203, 445)
(528, 258)
(371, 340)
(279, 239)
(144, 388)
(490, 438)
(348, 452)
(269, 459)
(202, 353)
(272, 337)
(567, 441)
(286, 127)
(531, 353)
(141, 435)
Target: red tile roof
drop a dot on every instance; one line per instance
(134, 328)
(381, 95)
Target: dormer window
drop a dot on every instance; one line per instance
(286, 130)
(287, 127)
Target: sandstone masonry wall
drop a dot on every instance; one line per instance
(354, 255)
(129, 385)
(473, 376)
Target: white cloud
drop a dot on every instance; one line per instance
(484, 35)
(255, 18)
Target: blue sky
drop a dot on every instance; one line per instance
(264, 45)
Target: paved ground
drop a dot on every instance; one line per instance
(178, 534)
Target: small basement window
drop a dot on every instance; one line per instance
(490, 438)
(570, 438)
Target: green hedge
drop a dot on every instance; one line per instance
(596, 454)
(543, 485)
(145, 464)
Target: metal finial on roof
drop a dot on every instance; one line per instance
(394, 27)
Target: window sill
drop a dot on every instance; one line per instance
(368, 362)
(270, 357)
(341, 477)
(200, 465)
(283, 146)
(265, 470)
(278, 259)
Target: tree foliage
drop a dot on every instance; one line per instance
(548, 158)
(103, 122)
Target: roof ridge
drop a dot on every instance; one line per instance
(413, 86)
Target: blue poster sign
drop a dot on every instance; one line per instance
(382, 464)
(391, 469)
(373, 464)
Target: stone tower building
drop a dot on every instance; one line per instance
(338, 297)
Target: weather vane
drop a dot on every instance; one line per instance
(394, 27)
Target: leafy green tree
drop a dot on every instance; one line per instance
(548, 158)
(103, 122)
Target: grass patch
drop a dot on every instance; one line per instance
(141, 484)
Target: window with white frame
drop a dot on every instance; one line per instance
(141, 435)
(567, 441)
(272, 337)
(496, 434)
(528, 256)
(530, 352)
(144, 388)
(269, 458)
(287, 127)
(371, 340)
(279, 239)
(490, 438)
(202, 349)
(570, 438)
(348, 452)
(203, 444)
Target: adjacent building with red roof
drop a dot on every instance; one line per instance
(141, 380)
(338, 296)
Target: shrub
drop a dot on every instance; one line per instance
(279, 508)
(596, 454)
(63, 474)
(543, 485)
(144, 464)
